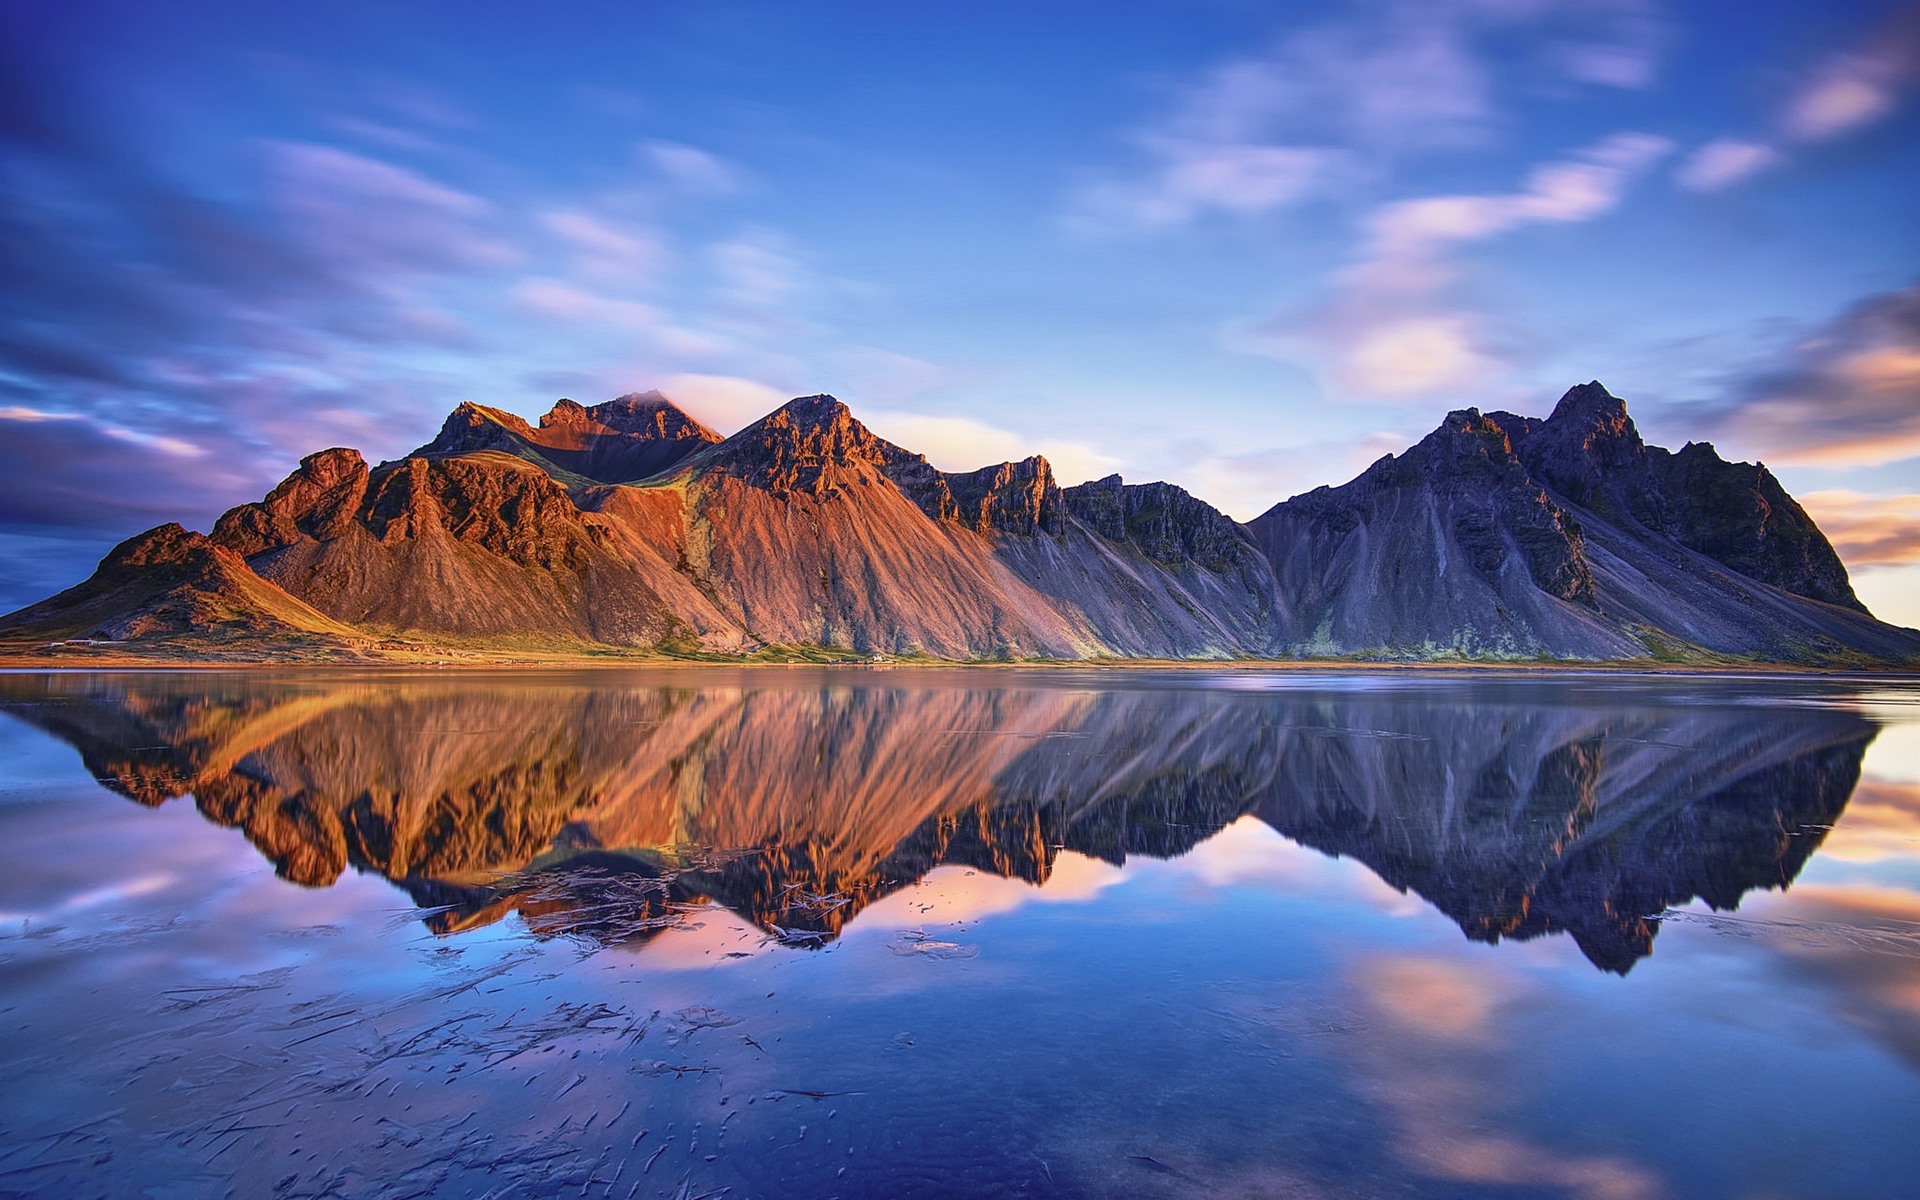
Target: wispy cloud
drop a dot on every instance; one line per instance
(1723, 163)
(377, 217)
(1853, 89)
(1329, 106)
(1846, 395)
(965, 444)
(1845, 93)
(1394, 326)
(728, 403)
(606, 248)
(759, 278)
(74, 471)
(1868, 531)
(1577, 189)
(692, 169)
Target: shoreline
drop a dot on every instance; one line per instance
(36, 664)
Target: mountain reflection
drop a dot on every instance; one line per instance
(604, 807)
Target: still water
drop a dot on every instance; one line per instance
(889, 933)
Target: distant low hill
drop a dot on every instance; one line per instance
(629, 527)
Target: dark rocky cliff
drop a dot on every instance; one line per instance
(1514, 537)
(1737, 514)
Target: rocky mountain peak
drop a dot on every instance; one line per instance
(318, 498)
(619, 441)
(794, 447)
(1592, 423)
(815, 412)
(327, 468)
(169, 543)
(565, 412)
(1466, 442)
(1591, 406)
(471, 428)
(1013, 497)
(1164, 521)
(635, 415)
(1590, 452)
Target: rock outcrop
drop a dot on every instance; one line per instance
(630, 526)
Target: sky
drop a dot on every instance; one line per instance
(1248, 247)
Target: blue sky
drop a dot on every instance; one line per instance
(1248, 247)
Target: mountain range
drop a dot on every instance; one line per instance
(629, 527)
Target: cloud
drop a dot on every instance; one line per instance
(1724, 162)
(1868, 531)
(380, 217)
(1613, 43)
(1247, 484)
(1847, 395)
(1881, 823)
(1393, 326)
(1192, 178)
(692, 169)
(608, 250)
(1846, 92)
(564, 301)
(964, 444)
(1329, 106)
(757, 272)
(725, 402)
(1850, 91)
(1576, 189)
(1258, 134)
(74, 471)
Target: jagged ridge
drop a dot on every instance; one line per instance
(631, 525)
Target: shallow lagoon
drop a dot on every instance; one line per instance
(884, 933)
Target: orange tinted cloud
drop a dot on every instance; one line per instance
(1849, 394)
(1436, 997)
(1868, 530)
(1882, 821)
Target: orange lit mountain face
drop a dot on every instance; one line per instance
(602, 808)
(630, 527)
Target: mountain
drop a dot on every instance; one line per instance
(603, 808)
(170, 582)
(630, 527)
(621, 441)
(1512, 537)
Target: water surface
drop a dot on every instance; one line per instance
(704, 932)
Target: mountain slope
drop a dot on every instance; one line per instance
(623, 440)
(630, 526)
(1511, 537)
(474, 545)
(1451, 547)
(169, 582)
(1737, 514)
